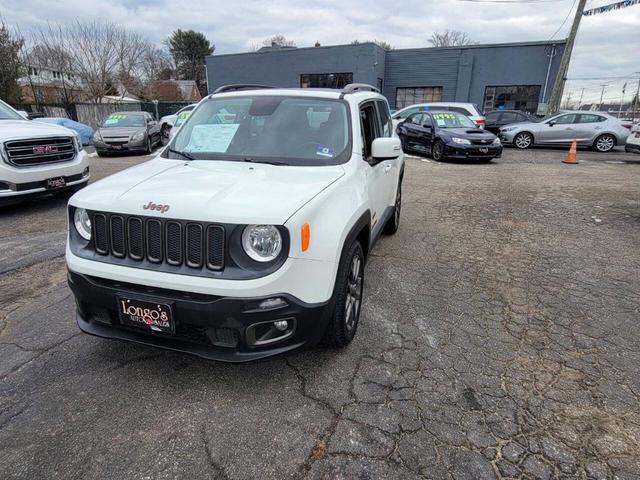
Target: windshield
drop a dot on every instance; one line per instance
(452, 120)
(123, 120)
(8, 113)
(282, 129)
(182, 117)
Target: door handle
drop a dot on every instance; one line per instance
(387, 167)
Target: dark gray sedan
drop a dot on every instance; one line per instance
(127, 131)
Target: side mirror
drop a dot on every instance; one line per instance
(386, 148)
(551, 124)
(428, 127)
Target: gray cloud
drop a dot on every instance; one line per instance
(605, 46)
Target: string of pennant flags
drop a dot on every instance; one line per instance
(610, 7)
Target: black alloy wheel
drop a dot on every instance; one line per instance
(437, 150)
(349, 294)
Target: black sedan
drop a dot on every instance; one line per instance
(500, 118)
(447, 135)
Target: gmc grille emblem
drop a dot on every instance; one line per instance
(44, 149)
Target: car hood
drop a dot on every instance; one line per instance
(215, 191)
(120, 131)
(16, 129)
(470, 133)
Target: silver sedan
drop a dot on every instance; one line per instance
(589, 129)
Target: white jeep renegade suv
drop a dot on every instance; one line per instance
(37, 158)
(247, 236)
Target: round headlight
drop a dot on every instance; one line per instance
(262, 243)
(83, 223)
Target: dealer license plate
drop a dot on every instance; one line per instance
(146, 315)
(57, 182)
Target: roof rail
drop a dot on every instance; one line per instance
(357, 87)
(240, 86)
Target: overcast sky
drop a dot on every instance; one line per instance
(607, 46)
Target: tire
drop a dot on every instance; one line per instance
(405, 148)
(348, 291)
(437, 150)
(523, 140)
(164, 130)
(393, 223)
(149, 149)
(604, 143)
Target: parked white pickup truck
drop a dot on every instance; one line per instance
(38, 158)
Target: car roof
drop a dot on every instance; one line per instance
(301, 92)
(129, 112)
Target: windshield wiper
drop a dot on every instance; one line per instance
(253, 160)
(186, 155)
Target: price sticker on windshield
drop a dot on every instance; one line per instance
(444, 116)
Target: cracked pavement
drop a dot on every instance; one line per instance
(498, 339)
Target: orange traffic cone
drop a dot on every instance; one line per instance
(571, 156)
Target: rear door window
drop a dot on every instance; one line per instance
(510, 117)
(590, 118)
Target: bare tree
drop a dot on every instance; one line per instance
(451, 38)
(100, 55)
(381, 43)
(278, 41)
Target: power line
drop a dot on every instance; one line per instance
(564, 21)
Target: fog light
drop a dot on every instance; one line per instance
(271, 303)
(85, 172)
(281, 325)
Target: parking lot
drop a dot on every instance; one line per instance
(498, 338)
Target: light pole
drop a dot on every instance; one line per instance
(635, 101)
(603, 85)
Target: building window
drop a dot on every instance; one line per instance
(33, 72)
(325, 80)
(512, 97)
(380, 84)
(410, 96)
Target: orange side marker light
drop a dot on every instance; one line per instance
(306, 237)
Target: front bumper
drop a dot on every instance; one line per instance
(458, 151)
(17, 184)
(130, 146)
(211, 327)
(632, 147)
(507, 137)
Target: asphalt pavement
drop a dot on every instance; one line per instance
(498, 339)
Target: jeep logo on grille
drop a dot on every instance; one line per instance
(44, 149)
(158, 207)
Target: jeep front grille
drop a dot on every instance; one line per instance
(26, 153)
(159, 241)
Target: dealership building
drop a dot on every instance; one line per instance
(516, 76)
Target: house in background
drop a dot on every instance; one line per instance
(43, 85)
(176, 91)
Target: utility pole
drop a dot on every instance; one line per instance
(558, 86)
(568, 101)
(603, 85)
(635, 101)
(581, 95)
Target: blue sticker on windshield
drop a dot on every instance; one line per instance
(425, 108)
(325, 151)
